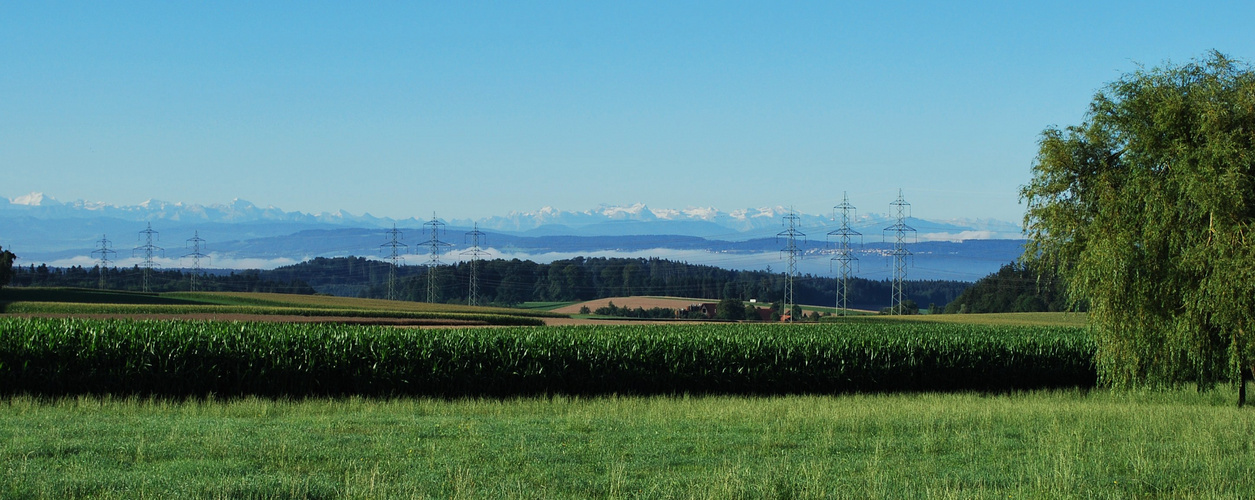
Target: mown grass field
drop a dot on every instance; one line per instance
(1042, 444)
(1066, 319)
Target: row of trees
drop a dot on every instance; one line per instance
(734, 309)
(639, 312)
(506, 282)
(501, 282)
(168, 280)
(731, 309)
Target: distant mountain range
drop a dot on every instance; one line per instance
(41, 206)
(241, 234)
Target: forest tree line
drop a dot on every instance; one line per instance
(509, 282)
(1014, 288)
(159, 280)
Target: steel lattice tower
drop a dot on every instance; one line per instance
(195, 241)
(844, 257)
(475, 253)
(104, 251)
(902, 210)
(148, 249)
(792, 253)
(393, 245)
(435, 227)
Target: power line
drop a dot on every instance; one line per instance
(475, 252)
(148, 249)
(393, 245)
(902, 210)
(196, 255)
(790, 234)
(844, 256)
(104, 251)
(435, 227)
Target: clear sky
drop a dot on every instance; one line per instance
(476, 109)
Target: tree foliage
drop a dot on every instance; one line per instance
(506, 282)
(1146, 210)
(1014, 288)
(730, 308)
(160, 280)
(6, 266)
(639, 312)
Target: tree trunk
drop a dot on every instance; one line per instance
(1242, 391)
(1242, 388)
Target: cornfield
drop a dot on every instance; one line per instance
(200, 358)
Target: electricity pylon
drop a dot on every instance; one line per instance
(472, 298)
(195, 241)
(435, 227)
(393, 245)
(104, 251)
(902, 210)
(844, 258)
(792, 253)
(148, 249)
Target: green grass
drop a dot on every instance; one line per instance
(1038, 444)
(1048, 319)
(1052, 444)
(1069, 319)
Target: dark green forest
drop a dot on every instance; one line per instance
(508, 282)
(159, 280)
(1014, 288)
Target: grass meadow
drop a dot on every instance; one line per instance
(1042, 444)
(1062, 443)
(1069, 319)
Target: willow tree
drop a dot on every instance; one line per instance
(1146, 209)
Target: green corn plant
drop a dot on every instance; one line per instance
(187, 358)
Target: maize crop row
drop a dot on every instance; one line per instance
(200, 358)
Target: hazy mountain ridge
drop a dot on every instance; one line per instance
(242, 235)
(637, 219)
(41, 206)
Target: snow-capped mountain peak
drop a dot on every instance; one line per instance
(636, 218)
(33, 199)
(636, 211)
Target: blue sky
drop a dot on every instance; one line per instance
(471, 109)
